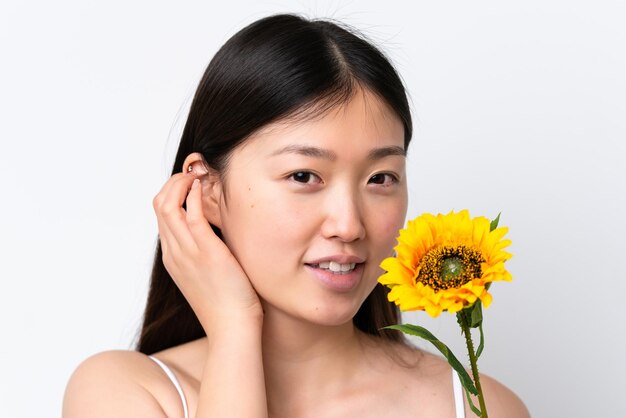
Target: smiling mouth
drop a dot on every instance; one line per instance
(334, 267)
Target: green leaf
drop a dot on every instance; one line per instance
(476, 314)
(423, 333)
(481, 345)
(471, 404)
(494, 223)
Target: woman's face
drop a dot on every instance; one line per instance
(312, 208)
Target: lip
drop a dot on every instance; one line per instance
(337, 282)
(339, 258)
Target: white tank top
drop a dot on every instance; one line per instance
(172, 377)
(456, 387)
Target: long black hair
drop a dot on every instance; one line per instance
(281, 66)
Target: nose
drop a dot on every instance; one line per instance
(343, 219)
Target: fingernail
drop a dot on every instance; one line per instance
(195, 183)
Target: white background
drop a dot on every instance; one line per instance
(519, 107)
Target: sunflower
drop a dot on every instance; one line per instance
(445, 263)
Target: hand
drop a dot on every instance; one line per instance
(202, 266)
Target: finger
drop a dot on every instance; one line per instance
(165, 236)
(159, 198)
(170, 249)
(171, 215)
(199, 226)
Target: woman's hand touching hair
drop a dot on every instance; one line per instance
(202, 266)
(219, 292)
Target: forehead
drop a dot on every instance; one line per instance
(363, 122)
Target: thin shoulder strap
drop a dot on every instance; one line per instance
(459, 404)
(172, 377)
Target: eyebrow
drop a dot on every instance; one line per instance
(307, 151)
(316, 152)
(378, 153)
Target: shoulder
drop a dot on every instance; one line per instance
(430, 378)
(116, 383)
(501, 401)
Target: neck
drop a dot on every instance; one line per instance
(316, 359)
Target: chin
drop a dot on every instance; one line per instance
(320, 306)
(330, 316)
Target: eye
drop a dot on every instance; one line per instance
(305, 177)
(384, 179)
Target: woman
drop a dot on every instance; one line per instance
(287, 191)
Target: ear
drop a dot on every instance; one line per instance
(211, 184)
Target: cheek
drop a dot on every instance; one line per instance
(387, 226)
(263, 229)
(384, 226)
(276, 218)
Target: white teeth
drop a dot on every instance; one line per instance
(337, 267)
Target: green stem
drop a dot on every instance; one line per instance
(473, 361)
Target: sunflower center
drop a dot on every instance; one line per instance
(448, 267)
(451, 267)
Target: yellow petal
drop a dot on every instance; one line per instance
(455, 307)
(486, 299)
(433, 310)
